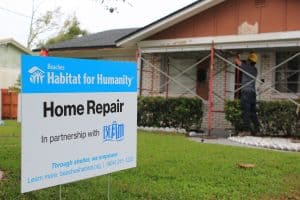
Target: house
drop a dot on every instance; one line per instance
(190, 52)
(10, 61)
(10, 68)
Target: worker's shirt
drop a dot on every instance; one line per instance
(250, 69)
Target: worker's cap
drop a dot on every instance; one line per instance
(252, 57)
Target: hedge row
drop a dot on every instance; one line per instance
(277, 118)
(181, 112)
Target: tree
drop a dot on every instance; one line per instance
(49, 22)
(70, 30)
(42, 23)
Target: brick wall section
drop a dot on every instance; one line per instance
(218, 116)
(151, 76)
(267, 62)
(151, 84)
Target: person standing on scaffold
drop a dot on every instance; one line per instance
(248, 95)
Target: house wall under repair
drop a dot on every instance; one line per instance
(179, 74)
(171, 59)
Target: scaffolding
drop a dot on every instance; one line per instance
(213, 55)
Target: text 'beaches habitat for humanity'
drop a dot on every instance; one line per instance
(74, 114)
(57, 77)
(76, 79)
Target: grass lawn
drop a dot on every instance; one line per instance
(169, 167)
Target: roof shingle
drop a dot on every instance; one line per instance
(102, 39)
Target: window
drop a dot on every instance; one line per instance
(287, 76)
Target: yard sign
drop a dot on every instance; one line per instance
(78, 119)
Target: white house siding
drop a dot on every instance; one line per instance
(8, 77)
(10, 56)
(10, 61)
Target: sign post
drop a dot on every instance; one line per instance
(78, 119)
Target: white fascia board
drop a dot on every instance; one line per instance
(263, 40)
(232, 46)
(166, 23)
(16, 44)
(174, 49)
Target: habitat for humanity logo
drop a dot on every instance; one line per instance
(36, 75)
(113, 132)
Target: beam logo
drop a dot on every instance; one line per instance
(113, 132)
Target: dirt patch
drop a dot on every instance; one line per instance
(1, 175)
(293, 195)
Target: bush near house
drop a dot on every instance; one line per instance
(277, 118)
(181, 112)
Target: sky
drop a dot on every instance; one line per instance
(15, 14)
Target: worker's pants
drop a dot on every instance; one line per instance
(248, 104)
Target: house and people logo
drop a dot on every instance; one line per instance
(36, 75)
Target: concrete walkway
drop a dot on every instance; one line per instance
(284, 144)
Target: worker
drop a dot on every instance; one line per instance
(44, 52)
(248, 94)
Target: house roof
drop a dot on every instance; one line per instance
(129, 37)
(117, 37)
(168, 21)
(16, 44)
(97, 40)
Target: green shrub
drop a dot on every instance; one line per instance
(277, 118)
(181, 112)
(150, 111)
(233, 114)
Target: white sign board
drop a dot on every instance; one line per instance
(78, 119)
